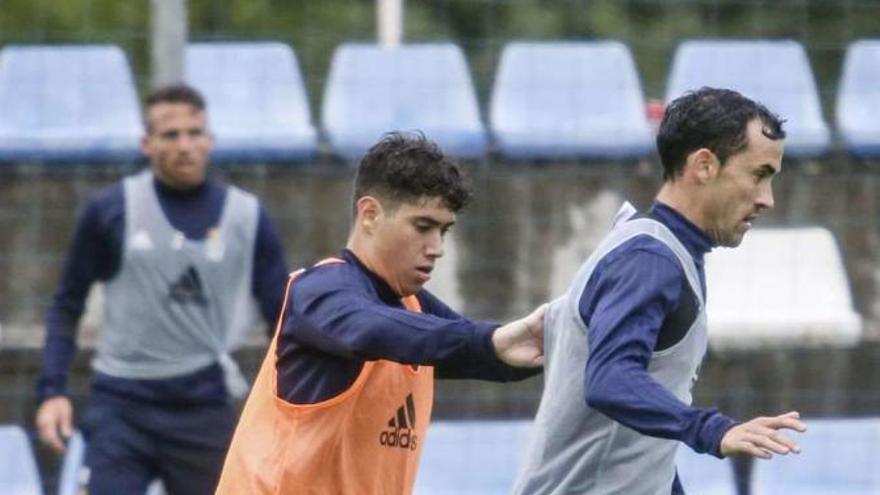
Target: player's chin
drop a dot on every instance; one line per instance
(737, 240)
(418, 281)
(411, 288)
(733, 239)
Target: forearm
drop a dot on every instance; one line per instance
(94, 254)
(59, 349)
(483, 364)
(375, 332)
(269, 271)
(631, 397)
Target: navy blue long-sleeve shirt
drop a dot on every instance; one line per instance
(636, 302)
(95, 254)
(340, 315)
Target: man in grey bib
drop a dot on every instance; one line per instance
(624, 345)
(183, 258)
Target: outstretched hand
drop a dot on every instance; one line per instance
(761, 438)
(520, 343)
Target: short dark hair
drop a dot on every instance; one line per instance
(175, 93)
(711, 118)
(407, 167)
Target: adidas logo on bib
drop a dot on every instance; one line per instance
(400, 432)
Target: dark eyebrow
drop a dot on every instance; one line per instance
(432, 222)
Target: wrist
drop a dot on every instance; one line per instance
(50, 388)
(718, 449)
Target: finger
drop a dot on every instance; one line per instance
(66, 426)
(58, 444)
(748, 448)
(770, 443)
(792, 424)
(786, 421)
(764, 431)
(778, 439)
(764, 441)
(537, 315)
(49, 436)
(788, 442)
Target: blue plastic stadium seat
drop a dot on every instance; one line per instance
(775, 73)
(764, 293)
(471, 457)
(67, 103)
(839, 456)
(569, 100)
(703, 474)
(372, 90)
(18, 471)
(257, 105)
(858, 99)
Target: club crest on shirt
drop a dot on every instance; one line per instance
(177, 240)
(215, 248)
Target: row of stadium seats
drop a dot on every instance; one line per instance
(549, 99)
(482, 458)
(18, 467)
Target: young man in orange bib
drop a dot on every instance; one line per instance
(343, 399)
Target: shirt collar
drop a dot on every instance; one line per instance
(165, 190)
(692, 237)
(383, 290)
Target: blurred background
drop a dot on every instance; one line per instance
(551, 107)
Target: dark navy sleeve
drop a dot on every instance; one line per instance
(94, 254)
(270, 270)
(339, 317)
(624, 305)
(491, 369)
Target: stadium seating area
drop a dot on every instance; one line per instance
(550, 100)
(18, 470)
(703, 474)
(483, 457)
(471, 457)
(372, 89)
(838, 456)
(776, 73)
(859, 99)
(259, 109)
(67, 103)
(759, 299)
(70, 104)
(569, 100)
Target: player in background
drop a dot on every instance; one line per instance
(183, 257)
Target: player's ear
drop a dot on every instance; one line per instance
(703, 165)
(369, 212)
